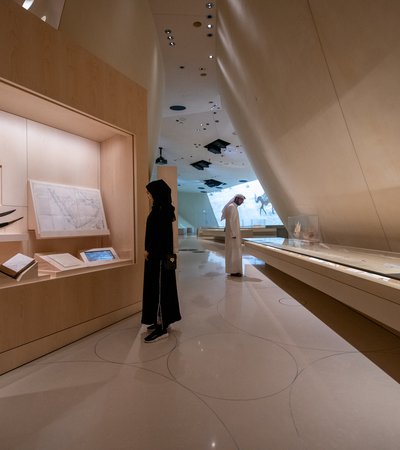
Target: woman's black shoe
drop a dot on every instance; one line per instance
(158, 334)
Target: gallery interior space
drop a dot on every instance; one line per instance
(293, 104)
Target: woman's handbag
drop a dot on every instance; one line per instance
(169, 261)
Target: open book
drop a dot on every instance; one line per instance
(16, 265)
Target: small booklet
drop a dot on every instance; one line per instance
(16, 265)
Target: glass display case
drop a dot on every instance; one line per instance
(378, 262)
(304, 227)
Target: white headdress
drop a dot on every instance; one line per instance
(232, 200)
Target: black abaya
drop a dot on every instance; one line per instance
(160, 296)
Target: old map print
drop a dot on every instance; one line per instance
(66, 211)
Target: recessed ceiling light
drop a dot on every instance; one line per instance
(177, 107)
(172, 44)
(209, 35)
(209, 26)
(211, 56)
(27, 4)
(167, 31)
(170, 37)
(209, 5)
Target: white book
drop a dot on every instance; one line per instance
(16, 265)
(63, 260)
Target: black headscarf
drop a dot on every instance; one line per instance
(162, 201)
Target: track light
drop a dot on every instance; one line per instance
(160, 160)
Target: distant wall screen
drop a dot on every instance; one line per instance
(257, 210)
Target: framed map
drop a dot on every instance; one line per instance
(67, 211)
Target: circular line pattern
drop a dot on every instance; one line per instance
(221, 366)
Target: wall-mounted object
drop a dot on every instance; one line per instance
(67, 211)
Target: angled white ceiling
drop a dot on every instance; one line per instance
(191, 81)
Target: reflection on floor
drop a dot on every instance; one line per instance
(260, 362)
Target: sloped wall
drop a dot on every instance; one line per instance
(312, 89)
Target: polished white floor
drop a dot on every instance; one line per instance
(257, 363)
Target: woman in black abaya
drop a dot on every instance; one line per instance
(160, 296)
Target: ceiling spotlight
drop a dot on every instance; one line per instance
(209, 5)
(209, 26)
(170, 37)
(27, 4)
(160, 160)
(211, 56)
(172, 44)
(167, 31)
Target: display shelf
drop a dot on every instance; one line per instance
(6, 281)
(13, 237)
(46, 268)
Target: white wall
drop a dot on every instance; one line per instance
(196, 210)
(312, 90)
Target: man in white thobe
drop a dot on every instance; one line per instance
(233, 241)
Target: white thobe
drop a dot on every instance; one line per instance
(233, 242)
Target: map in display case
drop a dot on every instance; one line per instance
(67, 211)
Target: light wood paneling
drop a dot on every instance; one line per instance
(117, 188)
(56, 156)
(13, 160)
(37, 317)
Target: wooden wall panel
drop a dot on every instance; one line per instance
(36, 317)
(13, 160)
